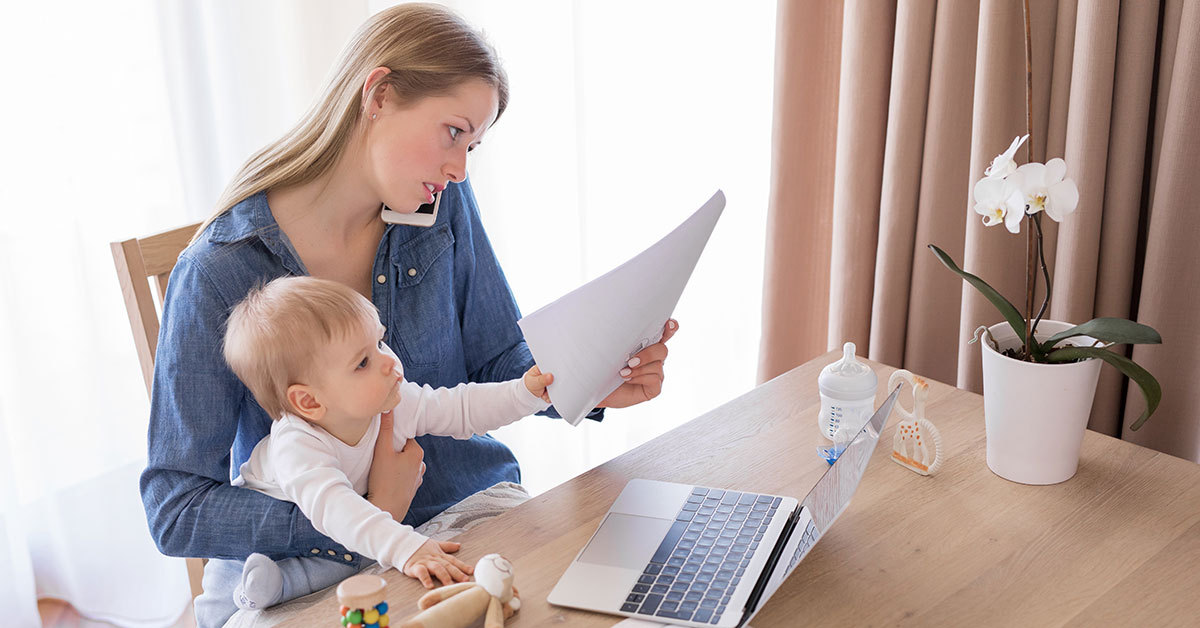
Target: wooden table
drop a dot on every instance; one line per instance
(1117, 545)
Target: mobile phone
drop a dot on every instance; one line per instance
(423, 217)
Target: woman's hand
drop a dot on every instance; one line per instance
(433, 559)
(395, 475)
(644, 374)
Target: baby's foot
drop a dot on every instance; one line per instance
(261, 585)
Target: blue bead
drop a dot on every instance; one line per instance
(382, 608)
(371, 626)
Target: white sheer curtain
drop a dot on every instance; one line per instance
(624, 117)
(126, 119)
(88, 158)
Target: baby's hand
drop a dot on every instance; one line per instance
(433, 559)
(536, 382)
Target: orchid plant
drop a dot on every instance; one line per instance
(1007, 195)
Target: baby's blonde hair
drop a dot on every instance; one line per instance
(430, 51)
(274, 336)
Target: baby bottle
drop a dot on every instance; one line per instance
(847, 394)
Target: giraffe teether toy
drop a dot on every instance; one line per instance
(917, 443)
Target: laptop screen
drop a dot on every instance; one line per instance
(831, 494)
(823, 504)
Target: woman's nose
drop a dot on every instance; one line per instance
(388, 363)
(456, 168)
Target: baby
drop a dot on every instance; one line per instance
(312, 353)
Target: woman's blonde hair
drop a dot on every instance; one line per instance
(429, 50)
(275, 336)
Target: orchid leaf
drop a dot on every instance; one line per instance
(1117, 331)
(1150, 387)
(1008, 310)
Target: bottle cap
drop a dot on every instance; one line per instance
(847, 379)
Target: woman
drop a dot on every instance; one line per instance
(414, 92)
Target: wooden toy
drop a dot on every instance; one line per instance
(492, 596)
(917, 443)
(362, 602)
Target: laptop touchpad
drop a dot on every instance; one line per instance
(626, 541)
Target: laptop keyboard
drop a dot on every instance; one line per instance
(703, 557)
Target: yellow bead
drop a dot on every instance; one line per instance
(383, 621)
(371, 616)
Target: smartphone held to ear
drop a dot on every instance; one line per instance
(423, 217)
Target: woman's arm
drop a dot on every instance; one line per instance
(196, 406)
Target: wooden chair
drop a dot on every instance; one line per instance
(142, 262)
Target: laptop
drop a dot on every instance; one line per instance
(700, 556)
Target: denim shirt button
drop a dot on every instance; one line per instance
(316, 551)
(381, 279)
(348, 557)
(412, 272)
(332, 553)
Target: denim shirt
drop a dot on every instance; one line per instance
(450, 316)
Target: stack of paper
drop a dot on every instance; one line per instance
(586, 337)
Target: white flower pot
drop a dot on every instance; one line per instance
(1035, 414)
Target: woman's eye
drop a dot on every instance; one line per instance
(379, 344)
(454, 131)
(363, 364)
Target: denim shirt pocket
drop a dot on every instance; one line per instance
(423, 315)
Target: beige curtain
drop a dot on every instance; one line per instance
(887, 112)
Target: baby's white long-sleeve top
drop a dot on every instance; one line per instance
(302, 463)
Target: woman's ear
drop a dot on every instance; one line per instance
(304, 402)
(374, 91)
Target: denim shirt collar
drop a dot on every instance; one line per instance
(253, 218)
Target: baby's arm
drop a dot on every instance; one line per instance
(308, 475)
(468, 409)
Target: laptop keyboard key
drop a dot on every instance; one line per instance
(629, 608)
(650, 606)
(641, 588)
(669, 541)
(702, 615)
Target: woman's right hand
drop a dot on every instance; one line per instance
(395, 475)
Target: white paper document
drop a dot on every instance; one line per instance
(586, 337)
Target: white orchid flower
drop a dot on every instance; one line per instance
(1045, 187)
(1003, 165)
(998, 200)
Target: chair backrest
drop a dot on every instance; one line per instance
(142, 262)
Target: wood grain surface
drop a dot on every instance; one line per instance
(1118, 544)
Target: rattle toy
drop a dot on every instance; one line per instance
(492, 596)
(917, 443)
(362, 602)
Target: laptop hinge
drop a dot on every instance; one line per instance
(760, 585)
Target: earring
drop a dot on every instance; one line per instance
(374, 116)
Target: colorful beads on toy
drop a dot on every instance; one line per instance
(361, 599)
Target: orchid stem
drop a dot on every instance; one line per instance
(1037, 225)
